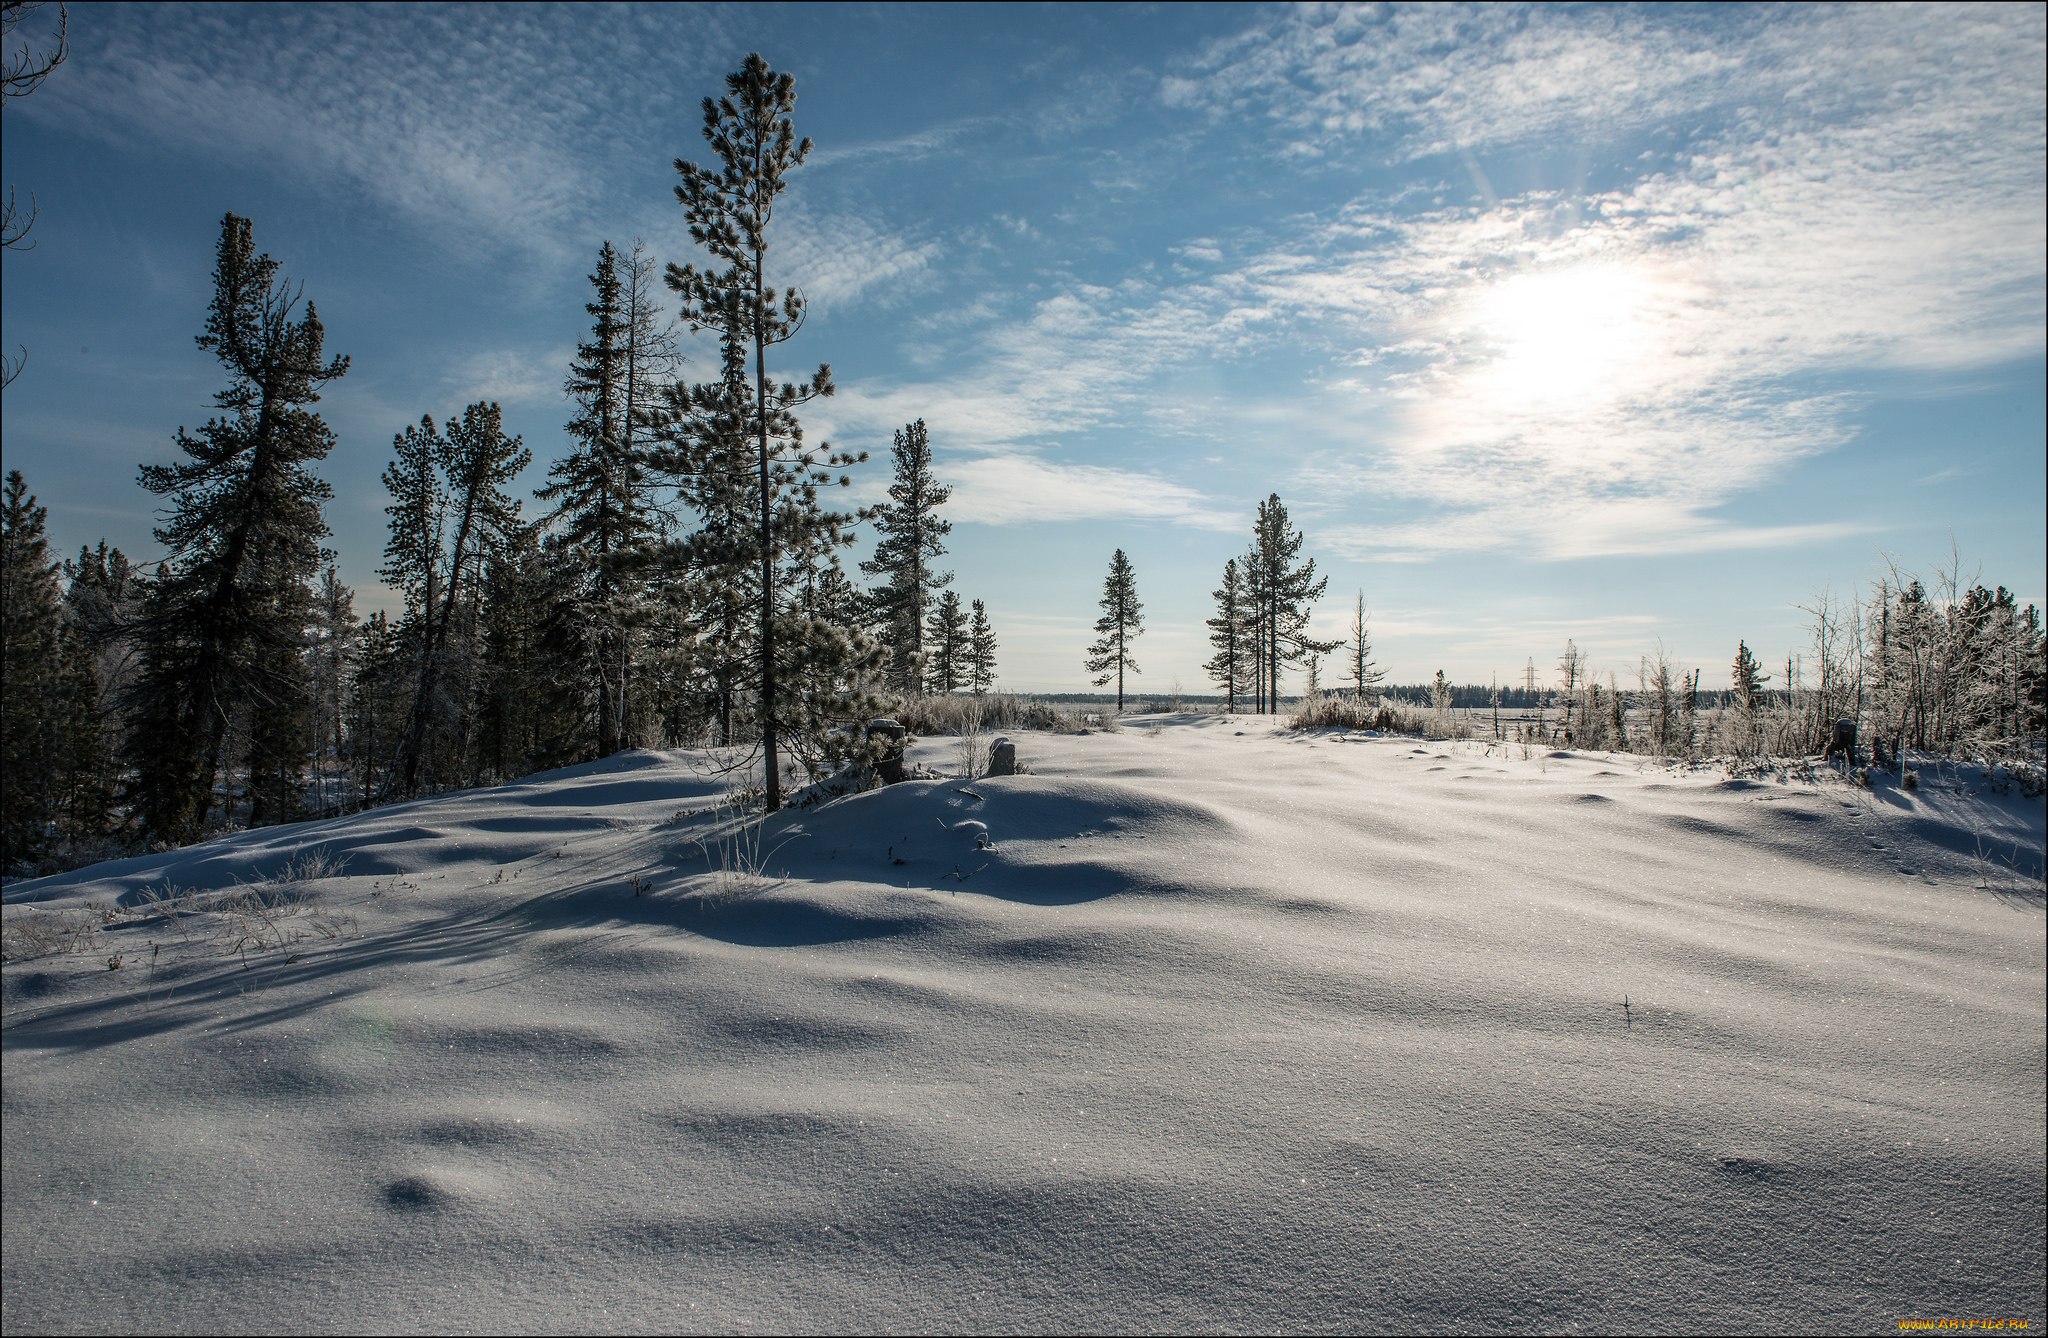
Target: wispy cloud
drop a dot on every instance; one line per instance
(484, 123)
(1575, 373)
(511, 377)
(1021, 489)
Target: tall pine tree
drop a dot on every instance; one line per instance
(948, 671)
(219, 625)
(911, 531)
(600, 501)
(1283, 594)
(450, 513)
(1121, 623)
(981, 651)
(1231, 636)
(1365, 675)
(730, 208)
(32, 623)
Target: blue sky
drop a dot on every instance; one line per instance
(1624, 325)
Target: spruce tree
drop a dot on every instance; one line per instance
(600, 500)
(1365, 675)
(1230, 633)
(1746, 678)
(31, 622)
(948, 670)
(1283, 593)
(730, 209)
(335, 635)
(280, 710)
(99, 607)
(706, 582)
(981, 652)
(217, 625)
(911, 531)
(1121, 623)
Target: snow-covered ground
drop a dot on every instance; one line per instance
(1201, 1025)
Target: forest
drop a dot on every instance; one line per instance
(679, 581)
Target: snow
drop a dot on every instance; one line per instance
(1200, 1025)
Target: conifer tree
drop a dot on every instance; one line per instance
(217, 625)
(948, 670)
(450, 512)
(981, 652)
(520, 722)
(1365, 675)
(99, 608)
(335, 634)
(280, 715)
(1121, 623)
(707, 581)
(1283, 594)
(1746, 678)
(1231, 634)
(730, 209)
(911, 531)
(31, 623)
(599, 495)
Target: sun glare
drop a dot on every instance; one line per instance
(1562, 336)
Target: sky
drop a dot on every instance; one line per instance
(1637, 326)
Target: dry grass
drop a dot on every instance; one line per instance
(997, 713)
(1326, 710)
(37, 933)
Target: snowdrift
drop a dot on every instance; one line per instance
(1201, 1025)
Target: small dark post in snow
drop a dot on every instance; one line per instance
(1002, 758)
(890, 766)
(1626, 1016)
(1843, 743)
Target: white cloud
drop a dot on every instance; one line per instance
(843, 257)
(1570, 375)
(511, 377)
(1020, 489)
(485, 125)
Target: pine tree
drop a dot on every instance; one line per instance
(280, 714)
(1365, 675)
(911, 531)
(1283, 594)
(1121, 623)
(707, 582)
(99, 607)
(1746, 678)
(331, 659)
(377, 702)
(522, 721)
(31, 621)
(1231, 634)
(599, 495)
(729, 210)
(450, 512)
(948, 670)
(981, 652)
(217, 623)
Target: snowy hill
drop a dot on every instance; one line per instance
(1201, 1025)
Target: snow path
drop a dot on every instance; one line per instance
(1230, 1029)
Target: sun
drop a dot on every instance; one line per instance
(1561, 337)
